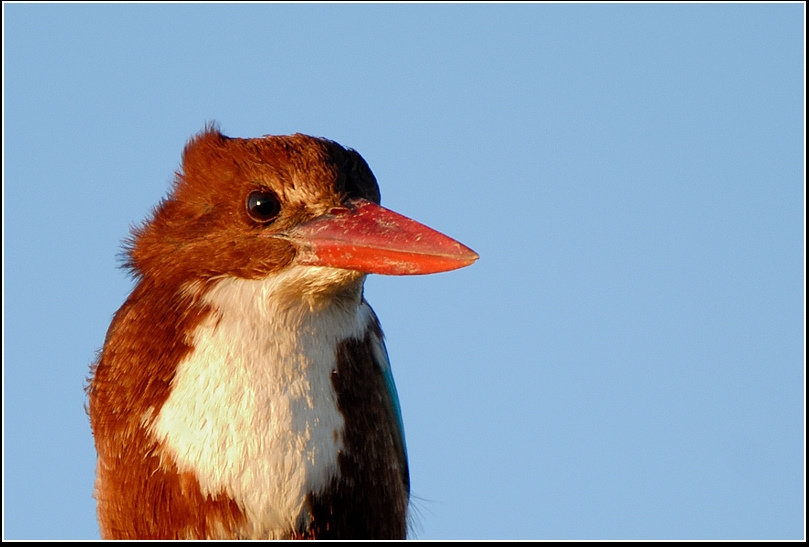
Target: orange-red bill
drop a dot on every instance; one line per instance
(369, 238)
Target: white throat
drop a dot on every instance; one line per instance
(252, 410)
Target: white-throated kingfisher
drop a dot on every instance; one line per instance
(244, 388)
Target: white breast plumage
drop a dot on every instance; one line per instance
(252, 410)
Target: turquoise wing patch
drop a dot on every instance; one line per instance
(383, 361)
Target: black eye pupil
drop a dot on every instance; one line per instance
(263, 206)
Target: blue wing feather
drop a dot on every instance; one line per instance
(382, 360)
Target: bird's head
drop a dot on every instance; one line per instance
(249, 208)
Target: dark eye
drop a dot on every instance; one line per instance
(263, 206)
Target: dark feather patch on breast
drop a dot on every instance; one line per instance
(369, 497)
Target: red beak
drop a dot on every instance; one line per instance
(368, 238)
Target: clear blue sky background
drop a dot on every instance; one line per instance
(626, 360)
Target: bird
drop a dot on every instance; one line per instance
(243, 390)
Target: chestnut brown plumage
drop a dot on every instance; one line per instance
(243, 390)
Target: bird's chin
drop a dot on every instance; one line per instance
(320, 285)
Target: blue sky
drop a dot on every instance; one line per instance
(626, 360)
